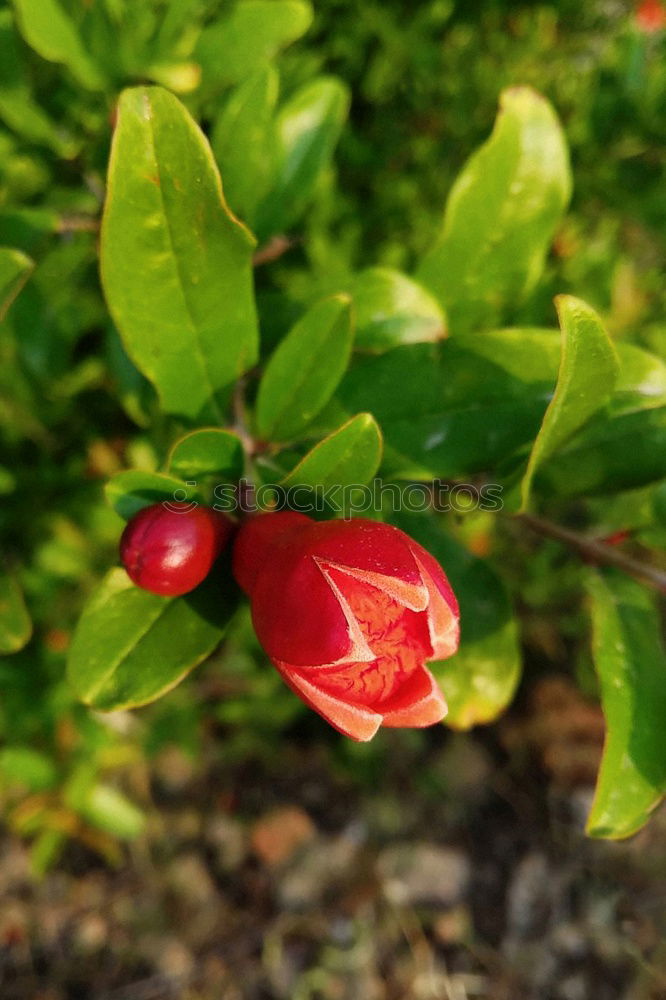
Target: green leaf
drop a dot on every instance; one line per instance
(642, 380)
(501, 215)
(15, 270)
(457, 408)
(21, 765)
(392, 309)
(17, 106)
(588, 372)
(305, 369)
(176, 265)
(128, 492)
(48, 29)
(630, 660)
(612, 454)
(15, 624)
(134, 391)
(308, 128)
(243, 141)
(349, 456)
(108, 809)
(208, 452)
(480, 680)
(254, 31)
(130, 647)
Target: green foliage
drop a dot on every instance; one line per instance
(501, 215)
(392, 309)
(630, 660)
(588, 372)
(305, 370)
(176, 266)
(350, 455)
(15, 623)
(393, 344)
(131, 646)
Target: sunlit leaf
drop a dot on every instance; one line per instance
(630, 660)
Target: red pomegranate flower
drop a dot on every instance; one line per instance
(170, 550)
(349, 612)
(651, 16)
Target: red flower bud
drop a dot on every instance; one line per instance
(651, 16)
(349, 612)
(170, 550)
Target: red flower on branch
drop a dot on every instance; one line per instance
(170, 550)
(349, 612)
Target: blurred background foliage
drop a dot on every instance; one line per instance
(425, 80)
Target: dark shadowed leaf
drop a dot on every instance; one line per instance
(15, 270)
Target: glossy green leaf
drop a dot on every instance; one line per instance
(392, 309)
(15, 270)
(642, 380)
(308, 128)
(501, 215)
(130, 646)
(630, 661)
(588, 372)
(305, 369)
(49, 30)
(480, 680)
(108, 809)
(176, 265)
(254, 31)
(208, 452)
(15, 624)
(243, 141)
(17, 106)
(349, 456)
(614, 453)
(457, 408)
(128, 492)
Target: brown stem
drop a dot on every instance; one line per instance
(78, 224)
(597, 552)
(276, 247)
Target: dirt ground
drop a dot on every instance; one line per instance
(457, 870)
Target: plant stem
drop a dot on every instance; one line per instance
(273, 250)
(597, 551)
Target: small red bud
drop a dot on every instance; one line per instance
(169, 550)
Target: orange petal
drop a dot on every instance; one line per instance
(443, 624)
(410, 595)
(354, 721)
(427, 707)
